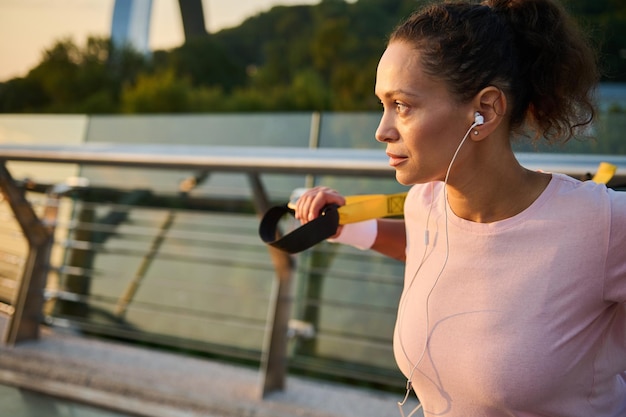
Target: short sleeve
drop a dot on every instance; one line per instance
(615, 285)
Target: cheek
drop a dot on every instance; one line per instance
(423, 138)
(438, 136)
(431, 146)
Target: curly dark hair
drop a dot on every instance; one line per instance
(532, 50)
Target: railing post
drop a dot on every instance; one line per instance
(28, 309)
(274, 358)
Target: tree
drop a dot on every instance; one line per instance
(309, 57)
(22, 95)
(204, 62)
(161, 92)
(74, 80)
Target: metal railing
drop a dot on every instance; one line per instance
(93, 239)
(188, 271)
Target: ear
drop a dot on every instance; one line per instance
(491, 103)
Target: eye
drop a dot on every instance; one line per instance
(400, 107)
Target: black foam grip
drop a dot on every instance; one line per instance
(303, 237)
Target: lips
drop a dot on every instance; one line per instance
(395, 160)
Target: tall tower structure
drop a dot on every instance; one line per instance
(192, 14)
(131, 24)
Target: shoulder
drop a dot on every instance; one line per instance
(595, 210)
(590, 195)
(593, 216)
(617, 237)
(588, 206)
(581, 194)
(618, 202)
(566, 184)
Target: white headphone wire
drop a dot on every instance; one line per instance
(409, 385)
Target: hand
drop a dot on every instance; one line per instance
(311, 203)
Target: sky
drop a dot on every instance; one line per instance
(29, 27)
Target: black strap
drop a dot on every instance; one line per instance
(304, 236)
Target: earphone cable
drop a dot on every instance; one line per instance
(409, 384)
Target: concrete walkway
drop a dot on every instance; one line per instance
(144, 382)
(18, 402)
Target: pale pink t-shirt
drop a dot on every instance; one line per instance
(527, 317)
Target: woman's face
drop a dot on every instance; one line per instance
(421, 124)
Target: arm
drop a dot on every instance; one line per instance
(391, 234)
(391, 239)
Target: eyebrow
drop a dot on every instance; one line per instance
(398, 92)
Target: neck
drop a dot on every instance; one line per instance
(495, 191)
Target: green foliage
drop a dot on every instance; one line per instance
(161, 92)
(73, 80)
(23, 95)
(605, 24)
(205, 63)
(309, 91)
(320, 57)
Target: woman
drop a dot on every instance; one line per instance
(515, 280)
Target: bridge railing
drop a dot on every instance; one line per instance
(188, 270)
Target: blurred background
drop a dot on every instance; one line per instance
(216, 56)
(139, 257)
(38, 24)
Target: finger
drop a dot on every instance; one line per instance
(302, 206)
(321, 199)
(311, 203)
(317, 204)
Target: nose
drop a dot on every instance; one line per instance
(386, 131)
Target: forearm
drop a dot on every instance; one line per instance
(386, 236)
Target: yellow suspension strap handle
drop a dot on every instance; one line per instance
(370, 206)
(357, 208)
(604, 173)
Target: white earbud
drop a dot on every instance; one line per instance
(478, 119)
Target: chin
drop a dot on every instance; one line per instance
(409, 178)
(404, 179)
